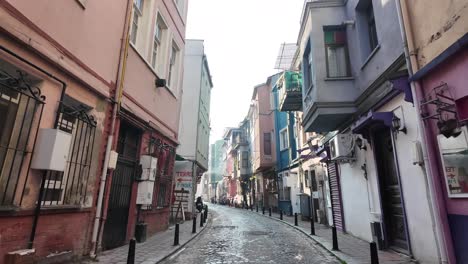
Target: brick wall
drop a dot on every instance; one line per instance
(55, 233)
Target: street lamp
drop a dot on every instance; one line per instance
(396, 125)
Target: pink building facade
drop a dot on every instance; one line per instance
(61, 76)
(264, 153)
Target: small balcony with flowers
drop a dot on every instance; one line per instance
(290, 91)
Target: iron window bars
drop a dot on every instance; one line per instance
(21, 107)
(70, 187)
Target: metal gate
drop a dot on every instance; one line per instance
(115, 228)
(335, 194)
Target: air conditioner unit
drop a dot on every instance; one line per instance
(341, 147)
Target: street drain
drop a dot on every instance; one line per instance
(228, 227)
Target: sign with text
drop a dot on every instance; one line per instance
(184, 179)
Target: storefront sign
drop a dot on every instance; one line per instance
(184, 179)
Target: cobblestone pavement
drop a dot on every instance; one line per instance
(236, 236)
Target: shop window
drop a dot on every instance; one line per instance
(454, 155)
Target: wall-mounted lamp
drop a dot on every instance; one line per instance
(160, 82)
(360, 144)
(396, 125)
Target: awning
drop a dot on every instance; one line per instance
(360, 126)
(402, 84)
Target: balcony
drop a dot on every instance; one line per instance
(329, 104)
(239, 141)
(290, 91)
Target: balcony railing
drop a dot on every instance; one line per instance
(290, 91)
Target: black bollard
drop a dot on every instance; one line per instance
(312, 226)
(374, 256)
(194, 226)
(281, 214)
(201, 220)
(263, 210)
(269, 211)
(205, 216)
(335, 239)
(256, 208)
(176, 235)
(251, 208)
(131, 252)
(295, 219)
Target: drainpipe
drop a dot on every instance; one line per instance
(441, 239)
(116, 103)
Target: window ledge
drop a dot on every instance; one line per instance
(339, 79)
(370, 56)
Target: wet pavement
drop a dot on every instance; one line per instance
(239, 236)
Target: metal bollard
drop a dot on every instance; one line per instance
(131, 252)
(194, 226)
(295, 219)
(251, 208)
(205, 216)
(312, 226)
(335, 239)
(201, 220)
(263, 210)
(176, 235)
(374, 256)
(281, 214)
(256, 208)
(269, 211)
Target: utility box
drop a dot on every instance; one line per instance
(52, 150)
(145, 192)
(148, 168)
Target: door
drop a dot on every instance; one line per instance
(393, 213)
(115, 227)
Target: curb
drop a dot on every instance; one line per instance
(333, 252)
(209, 221)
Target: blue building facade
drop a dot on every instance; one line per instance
(286, 149)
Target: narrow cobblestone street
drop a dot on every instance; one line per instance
(236, 236)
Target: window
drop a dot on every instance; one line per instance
(172, 66)
(284, 142)
(138, 5)
(70, 187)
(133, 34)
(245, 159)
(336, 52)
(306, 178)
(307, 68)
(267, 143)
(158, 31)
(373, 41)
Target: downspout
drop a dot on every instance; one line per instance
(407, 37)
(116, 104)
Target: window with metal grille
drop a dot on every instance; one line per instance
(336, 52)
(21, 106)
(71, 187)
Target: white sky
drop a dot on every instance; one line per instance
(242, 40)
